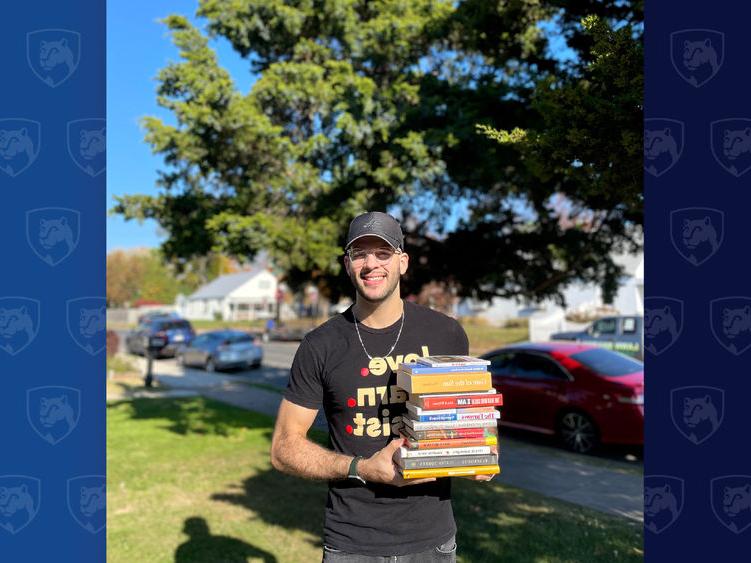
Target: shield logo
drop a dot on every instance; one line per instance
(53, 412)
(53, 54)
(663, 144)
(20, 140)
(19, 323)
(87, 322)
(663, 501)
(697, 411)
(20, 496)
(53, 233)
(663, 323)
(87, 501)
(87, 144)
(730, 496)
(697, 54)
(730, 140)
(730, 320)
(697, 232)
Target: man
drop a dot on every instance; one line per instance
(347, 367)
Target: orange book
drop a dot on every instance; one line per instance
(452, 443)
(449, 383)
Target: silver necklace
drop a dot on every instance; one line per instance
(401, 326)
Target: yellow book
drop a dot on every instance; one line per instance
(444, 383)
(451, 471)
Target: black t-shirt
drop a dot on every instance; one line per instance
(363, 408)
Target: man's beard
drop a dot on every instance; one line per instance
(389, 289)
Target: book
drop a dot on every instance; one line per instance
(451, 443)
(466, 412)
(448, 461)
(457, 400)
(436, 383)
(455, 417)
(449, 361)
(419, 369)
(450, 433)
(450, 471)
(417, 425)
(473, 450)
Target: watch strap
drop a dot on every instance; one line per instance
(352, 473)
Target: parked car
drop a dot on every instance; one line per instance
(222, 349)
(584, 394)
(288, 334)
(177, 331)
(153, 315)
(624, 333)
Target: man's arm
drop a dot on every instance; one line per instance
(293, 453)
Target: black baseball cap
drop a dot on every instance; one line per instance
(376, 224)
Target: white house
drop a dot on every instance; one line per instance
(233, 297)
(629, 300)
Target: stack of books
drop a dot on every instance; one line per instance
(451, 421)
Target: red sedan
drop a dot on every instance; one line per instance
(584, 394)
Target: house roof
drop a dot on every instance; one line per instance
(224, 285)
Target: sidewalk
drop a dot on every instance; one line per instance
(608, 486)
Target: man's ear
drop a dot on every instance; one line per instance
(403, 263)
(347, 265)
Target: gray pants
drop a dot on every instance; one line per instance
(446, 552)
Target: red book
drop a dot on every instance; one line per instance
(457, 400)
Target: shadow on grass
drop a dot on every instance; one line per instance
(282, 500)
(202, 546)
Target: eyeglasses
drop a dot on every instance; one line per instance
(358, 256)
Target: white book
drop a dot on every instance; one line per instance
(419, 411)
(438, 361)
(467, 450)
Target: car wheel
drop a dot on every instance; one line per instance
(210, 365)
(256, 365)
(578, 432)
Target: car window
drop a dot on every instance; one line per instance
(200, 340)
(608, 363)
(604, 326)
(629, 325)
(500, 364)
(240, 337)
(536, 366)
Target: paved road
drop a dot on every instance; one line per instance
(609, 485)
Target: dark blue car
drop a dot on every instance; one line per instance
(175, 330)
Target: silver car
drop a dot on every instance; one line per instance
(221, 349)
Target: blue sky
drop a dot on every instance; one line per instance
(137, 47)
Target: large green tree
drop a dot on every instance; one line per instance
(376, 105)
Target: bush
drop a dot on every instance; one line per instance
(113, 343)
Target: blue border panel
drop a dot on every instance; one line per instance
(698, 298)
(52, 287)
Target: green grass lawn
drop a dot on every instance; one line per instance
(189, 480)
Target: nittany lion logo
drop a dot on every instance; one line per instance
(697, 233)
(87, 501)
(20, 496)
(53, 54)
(730, 319)
(53, 233)
(53, 412)
(87, 143)
(730, 140)
(19, 323)
(730, 496)
(87, 323)
(663, 144)
(663, 323)
(663, 501)
(697, 54)
(697, 411)
(20, 140)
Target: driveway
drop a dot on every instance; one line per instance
(604, 483)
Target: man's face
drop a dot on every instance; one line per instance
(375, 279)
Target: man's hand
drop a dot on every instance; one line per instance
(380, 467)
